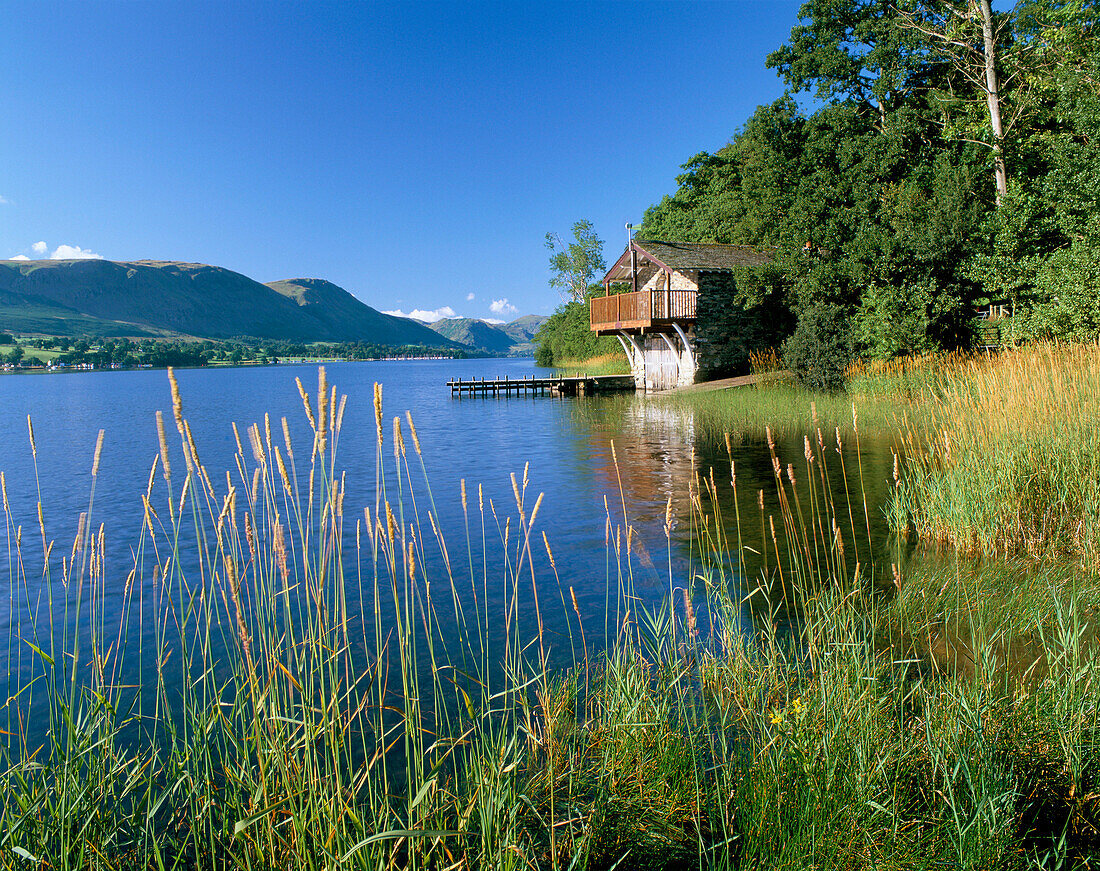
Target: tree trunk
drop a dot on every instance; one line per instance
(993, 97)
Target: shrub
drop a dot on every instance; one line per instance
(821, 347)
(567, 336)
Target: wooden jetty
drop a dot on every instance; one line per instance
(557, 385)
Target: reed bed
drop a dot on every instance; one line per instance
(885, 392)
(604, 364)
(911, 377)
(304, 702)
(1007, 459)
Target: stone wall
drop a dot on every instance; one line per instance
(719, 324)
(726, 331)
(686, 280)
(650, 278)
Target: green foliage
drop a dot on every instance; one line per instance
(821, 347)
(576, 265)
(124, 353)
(849, 50)
(1065, 296)
(914, 317)
(566, 336)
(879, 200)
(952, 723)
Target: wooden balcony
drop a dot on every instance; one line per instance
(641, 310)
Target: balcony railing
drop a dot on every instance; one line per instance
(642, 309)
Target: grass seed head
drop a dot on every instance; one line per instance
(177, 402)
(416, 438)
(98, 451)
(306, 404)
(378, 411)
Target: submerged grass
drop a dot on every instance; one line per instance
(272, 698)
(781, 406)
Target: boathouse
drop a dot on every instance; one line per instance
(662, 300)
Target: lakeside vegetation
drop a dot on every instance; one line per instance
(946, 163)
(320, 705)
(603, 364)
(282, 682)
(1005, 459)
(32, 353)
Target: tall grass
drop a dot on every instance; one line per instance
(603, 364)
(782, 407)
(264, 700)
(912, 377)
(884, 392)
(1007, 460)
(306, 702)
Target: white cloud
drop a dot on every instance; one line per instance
(493, 321)
(61, 252)
(469, 297)
(4, 201)
(71, 252)
(421, 315)
(503, 307)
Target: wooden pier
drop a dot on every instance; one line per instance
(557, 385)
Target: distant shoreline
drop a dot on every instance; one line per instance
(221, 364)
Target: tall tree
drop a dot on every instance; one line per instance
(574, 266)
(850, 50)
(967, 36)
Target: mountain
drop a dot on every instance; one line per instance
(475, 334)
(147, 297)
(523, 329)
(512, 339)
(340, 313)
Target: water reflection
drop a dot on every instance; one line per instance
(726, 497)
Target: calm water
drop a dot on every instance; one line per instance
(567, 442)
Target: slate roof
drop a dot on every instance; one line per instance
(681, 256)
(706, 257)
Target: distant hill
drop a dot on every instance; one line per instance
(523, 329)
(512, 339)
(340, 313)
(475, 334)
(147, 298)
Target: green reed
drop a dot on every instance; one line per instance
(602, 364)
(777, 405)
(785, 706)
(1007, 459)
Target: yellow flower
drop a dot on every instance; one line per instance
(777, 717)
(797, 705)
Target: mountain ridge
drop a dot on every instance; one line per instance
(150, 298)
(513, 339)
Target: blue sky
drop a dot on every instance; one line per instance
(413, 153)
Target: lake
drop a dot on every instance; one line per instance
(568, 445)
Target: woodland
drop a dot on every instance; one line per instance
(927, 160)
